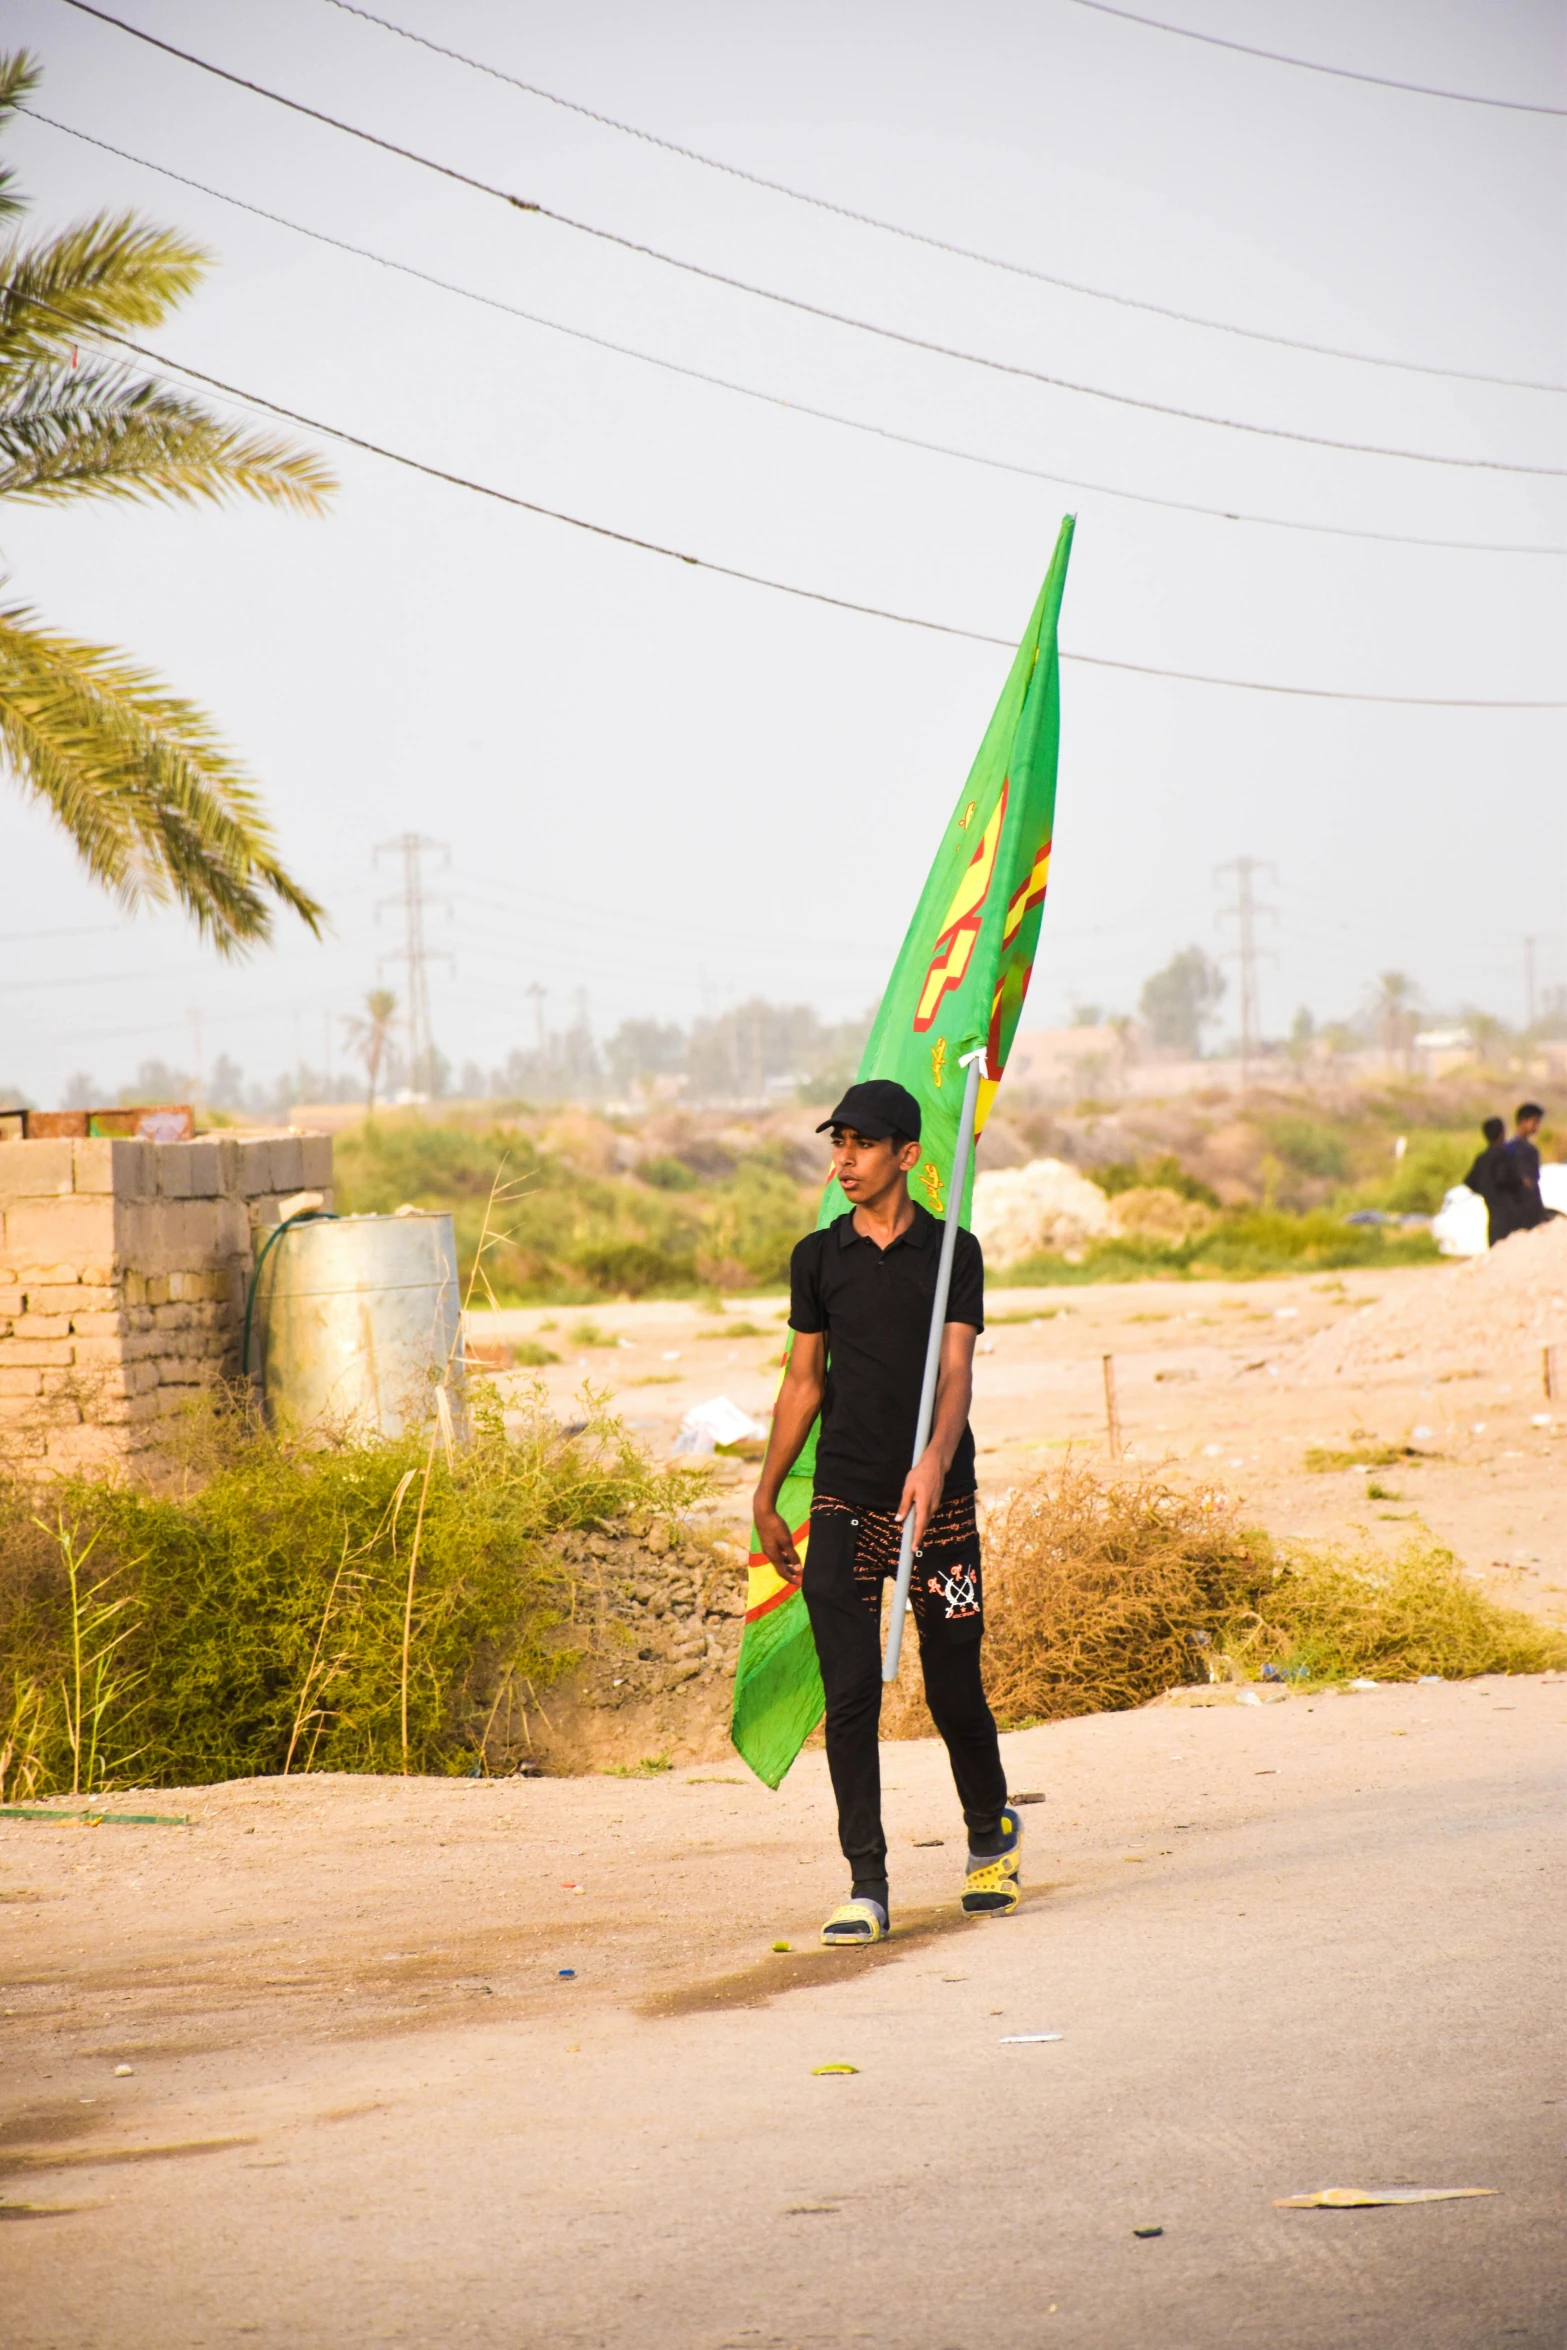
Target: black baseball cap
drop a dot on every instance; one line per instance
(877, 1107)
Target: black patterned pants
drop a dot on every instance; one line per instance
(851, 1553)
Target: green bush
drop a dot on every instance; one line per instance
(635, 1267)
(558, 1235)
(1266, 1240)
(756, 1219)
(1165, 1173)
(260, 1616)
(668, 1175)
(1249, 1244)
(1309, 1147)
(1430, 1167)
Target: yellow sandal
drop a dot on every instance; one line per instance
(854, 1924)
(993, 1884)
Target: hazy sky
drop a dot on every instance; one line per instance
(673, 790)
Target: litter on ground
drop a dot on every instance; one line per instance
(1355, 2198)
(718, 1421)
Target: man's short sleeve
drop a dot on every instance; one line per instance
(805, 1289)
(966, 1297)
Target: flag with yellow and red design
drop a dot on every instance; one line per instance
(957, 986)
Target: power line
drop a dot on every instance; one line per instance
(16, 938)
(1343, 73)
(796, 302)
(83, 978)
(777, 399)
(782, 587)
(916, 236)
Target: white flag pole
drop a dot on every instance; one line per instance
(974, 1063)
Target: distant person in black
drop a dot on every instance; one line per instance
(1525, 1158)
(862, 1292)
(1495, 1177)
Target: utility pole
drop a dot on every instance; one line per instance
(1528, 983)
(538, 994)
(1246, 951)
(199, 1073)
(414, 955)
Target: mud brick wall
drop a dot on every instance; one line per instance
(123, 1272)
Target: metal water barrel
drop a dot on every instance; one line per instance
(360, 1322)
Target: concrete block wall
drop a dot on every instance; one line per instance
(123, 1272)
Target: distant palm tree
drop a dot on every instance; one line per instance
(371, 1036)
(158, 808)
(1394, 1007)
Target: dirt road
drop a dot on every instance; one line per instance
(1289, 1946)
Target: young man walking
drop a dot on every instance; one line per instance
(862, 1292)
(1524, 1152)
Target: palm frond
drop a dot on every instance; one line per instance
(19, 77)
(95, 431)
(111, 271)
(153, 800)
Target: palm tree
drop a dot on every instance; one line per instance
(157, 806)
(371, 1036)
(1394, 1009)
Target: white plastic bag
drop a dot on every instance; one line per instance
(718, 1421)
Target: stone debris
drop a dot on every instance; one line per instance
(667, 1609)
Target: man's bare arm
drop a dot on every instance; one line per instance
(799, 1402)
(954, 1393)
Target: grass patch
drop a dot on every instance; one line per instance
(1250, 1244)
(1025, 1314)
(652, 1766)
(739, 1330)
(1320, 1458)
(589, 1334)
(532, 1354)
(1100, 1595)
(290, 1607)
(565, 1235)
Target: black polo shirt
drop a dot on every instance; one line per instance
(875, 1306)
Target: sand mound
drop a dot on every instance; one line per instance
(1045, 1208)
(1496, 1306)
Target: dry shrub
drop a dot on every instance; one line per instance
(1102, 1593)
(1094, 1589)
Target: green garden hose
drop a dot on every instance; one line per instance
(305, 1216)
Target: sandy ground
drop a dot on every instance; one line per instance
(1291, 1945)
(1206, 1388)
(1306, 1944)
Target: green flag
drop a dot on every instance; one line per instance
(957, 985)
